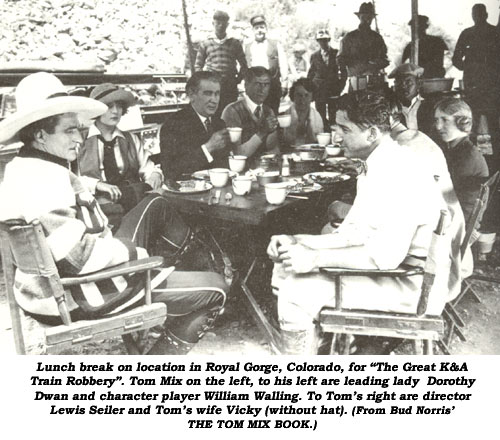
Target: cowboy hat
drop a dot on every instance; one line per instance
(39, 96)
(366, 8)
(108, 93)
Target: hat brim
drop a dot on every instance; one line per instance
(85, 108)
(255, 23)
(371, 13)
(119, 95)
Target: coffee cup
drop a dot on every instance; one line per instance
(237, 163)
(323, 138)
(234, 134)
(242, 185)
(284, 121)
(276, 192)
(218, 176)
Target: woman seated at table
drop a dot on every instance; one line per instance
(306, 121)
(467, 166)
(113, 163)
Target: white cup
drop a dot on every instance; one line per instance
(323, 138)
(284, 121)
(242, 185)
(276, 192)
(237, 163)
(234, 134)
(219, 176)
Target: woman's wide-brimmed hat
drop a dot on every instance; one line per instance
(39, 96)
(109, 93)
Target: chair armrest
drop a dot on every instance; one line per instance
(115, 271)
(394, 273)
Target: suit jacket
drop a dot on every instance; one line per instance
(329, 79)
(181, 138)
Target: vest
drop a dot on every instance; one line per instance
(89, 159)
(272, 57)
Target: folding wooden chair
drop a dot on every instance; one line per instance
(422, 328)
(24, 246)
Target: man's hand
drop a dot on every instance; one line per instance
(112, 191)
(267, 126)
(219, 140)
(298, 258)
(155, 181)
(277, 241)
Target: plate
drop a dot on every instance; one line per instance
(325, 177)
(309, 147)
(190, 187)
(203, 175)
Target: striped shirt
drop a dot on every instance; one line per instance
(216, 56)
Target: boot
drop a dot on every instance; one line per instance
(300, 342)
(170, 344)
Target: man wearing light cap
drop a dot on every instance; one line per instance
(431, 50)
(220, 54)
(414, 110)
(269, 54)
(328, 78)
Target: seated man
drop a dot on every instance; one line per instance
(416, 112)
(113, 164)
(39, 185)
(391, 221)
(257, 120)
(193, 138)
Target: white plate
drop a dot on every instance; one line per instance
(204, 175)
(311, 177)
(190, 187)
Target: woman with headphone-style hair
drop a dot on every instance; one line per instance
(467, 166)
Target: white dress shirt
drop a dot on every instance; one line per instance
(259, 57)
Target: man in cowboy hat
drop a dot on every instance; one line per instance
(431, 50)
(220, 54)
(363, 51)
(269, 54)
(38, 185)
(328, 78)
(113, 163)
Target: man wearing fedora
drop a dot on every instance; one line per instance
(328, 78)
(220, 54)
(113, 163)
(269, 54)
(431, 50)
(39, 185)
(363, 51)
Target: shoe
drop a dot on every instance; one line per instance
(169, 344)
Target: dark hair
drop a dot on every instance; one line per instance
(460, 111)
(302, 82)
(122, 104)
(255, 72)
(27, 134)
(366, 109)
(193, 83)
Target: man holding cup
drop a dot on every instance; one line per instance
(194, 138)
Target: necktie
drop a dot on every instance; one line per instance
(258, 112)
(109, 161)
(208, 126)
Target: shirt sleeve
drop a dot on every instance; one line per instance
(200, 58)
(146, 165)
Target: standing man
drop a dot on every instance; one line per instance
(268, 54)
(431, 50)
(328, 78)
(363, 51)
(220, 54)
(194, 138)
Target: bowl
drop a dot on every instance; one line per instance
(242, 185)
(268, 177)
(333, 150)
(433, 85)
(276, 192)
(237, 163)
(284, 121)
(234, 134)
(218, 176)
(324, 138)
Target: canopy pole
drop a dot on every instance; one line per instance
(414, 31)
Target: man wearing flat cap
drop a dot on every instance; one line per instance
(269, 54)
(328, 78)
(415, 112)
(363, 51)
(431, 50)
(220, 54)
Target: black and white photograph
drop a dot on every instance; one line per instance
(250, 177)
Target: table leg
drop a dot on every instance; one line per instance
(271, 334)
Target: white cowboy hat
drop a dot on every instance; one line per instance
(41, 95)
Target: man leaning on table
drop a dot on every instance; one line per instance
(396, 208)
(194, 138)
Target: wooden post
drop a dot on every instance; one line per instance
(414, 32)
(188, 37)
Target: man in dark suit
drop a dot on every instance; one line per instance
(328, 78)
(193, 139)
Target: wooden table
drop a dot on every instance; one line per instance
(250, 210)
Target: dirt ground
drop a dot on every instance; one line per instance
(235, 332)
